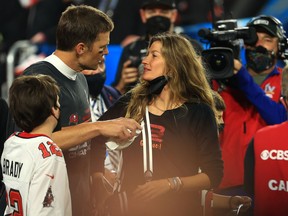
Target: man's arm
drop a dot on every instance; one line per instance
(271, 111)
(116, 129)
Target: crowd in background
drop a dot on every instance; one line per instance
(36, 21)
(253, 97)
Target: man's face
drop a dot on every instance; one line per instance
(266, 41)
(94, 55)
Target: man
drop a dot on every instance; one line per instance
(82, 38)
(101, 98)
(251, 97)
(266, 165)
(158, 16)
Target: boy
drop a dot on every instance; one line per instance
(34, 169)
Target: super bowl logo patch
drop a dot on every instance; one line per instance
(49, 198)
(269, 90)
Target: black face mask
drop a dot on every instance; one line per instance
(156, 85)
(95, 83)
(157, 24)
(259, 59)
(58, 126)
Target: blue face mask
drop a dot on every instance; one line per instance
(259, 59)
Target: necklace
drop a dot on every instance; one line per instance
(158, 107)
(163, 110)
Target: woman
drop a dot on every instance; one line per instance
(174, 90)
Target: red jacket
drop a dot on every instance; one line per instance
(271, 171)
(242, 120)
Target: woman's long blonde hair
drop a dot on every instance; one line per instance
(185, 73)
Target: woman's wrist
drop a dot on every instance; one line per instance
(175, 184)
(231, 202)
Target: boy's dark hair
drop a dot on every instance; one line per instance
(31, 99)
(218, 100)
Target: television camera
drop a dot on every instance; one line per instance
(225, 40)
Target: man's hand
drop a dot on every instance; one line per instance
(237, 66)
(120, 129)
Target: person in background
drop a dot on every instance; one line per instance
(221, 203)
(220, 108)
(42, 20)
(33, 166)
(266, 165)
(252, 98)
(101, 98)
(158, 16)
(3, 124)
(74, 53)
(13, 24)
(177, 107)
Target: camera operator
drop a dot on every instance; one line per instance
(252, 97)
(158, 16)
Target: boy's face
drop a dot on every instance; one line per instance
(220, 116)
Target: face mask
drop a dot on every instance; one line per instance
(58, 126)
(157, 24)
(259, 59)
(95, 83)
(156, 85)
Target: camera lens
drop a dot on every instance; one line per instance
(218, 61)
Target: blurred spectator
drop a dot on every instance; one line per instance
(3, 124)
(252, 97)
(101, 98)
(13, 21)
(42, 21)
(158, 16)
(125, 16)
(220, 108)
(221, 203)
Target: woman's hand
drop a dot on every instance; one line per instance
(151, 190)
